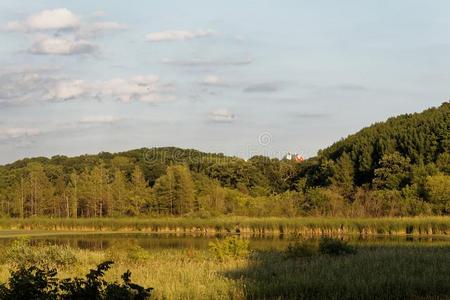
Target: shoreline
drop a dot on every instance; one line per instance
(308, 226)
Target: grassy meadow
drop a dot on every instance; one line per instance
(378, 271)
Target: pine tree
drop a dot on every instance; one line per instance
(164, 194)
(343, 175)
(40, 190)
(184, 190)
(61, 205)
(141, 194)
(73, 194)
(174, 191)
(120, 193)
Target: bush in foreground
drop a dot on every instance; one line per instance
(229, 247)
(21, 253)
(332, 246)
(34, 283)
(300, 249)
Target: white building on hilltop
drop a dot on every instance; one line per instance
(294, 157)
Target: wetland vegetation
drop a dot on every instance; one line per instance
(231, 268)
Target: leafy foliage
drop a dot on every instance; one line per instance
(333, 246)
(300, 249)
(21, 253)
(420, 138)
(34, 283)
(229, 247)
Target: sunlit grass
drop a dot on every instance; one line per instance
(374, 272)
(306, 225)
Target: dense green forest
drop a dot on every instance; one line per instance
(400, 167)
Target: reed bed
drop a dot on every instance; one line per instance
(243, 225)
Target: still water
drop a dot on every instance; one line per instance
(102, 241)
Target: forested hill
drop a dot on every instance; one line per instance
(419, 139)
(396, 168)
(152, 161)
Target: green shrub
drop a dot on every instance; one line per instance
(21, 253)
(229, 247)
(131, 253)
(300, 249)
(137, 253)
(41, 284)
(332, 246)
(30, 283)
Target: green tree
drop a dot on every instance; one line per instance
(61, 203)
(120, 193)
(141, 196)
(438, 192)
(73, 191)
(393, 173)
(39, 189)
(174, 192)
(94, 192)
(343, 175)
(163, 191)
(443, 162)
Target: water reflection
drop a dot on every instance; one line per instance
(176, 241)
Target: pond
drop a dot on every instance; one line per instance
(102, 241)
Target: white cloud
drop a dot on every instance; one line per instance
(177, 35)
(53, 19)
(222, 116)
(99, 26)
(61, 46)
(140, 88)
(21, 86)
(18, 132)
(66, 90)
(92, 30)
(206, 62)
(265, 87)
(213, 80)
(100, 119)
(64, 33)
(47, 84)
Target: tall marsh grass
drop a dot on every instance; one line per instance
(244, 225)
(381, 272)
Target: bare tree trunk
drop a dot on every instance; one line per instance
(67, 206)
(22, 196)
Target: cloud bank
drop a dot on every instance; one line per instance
(53, 19)
(214, 81)
(26, 86)
(222, 115)
(61, 46)
(18, 132)
(143, 88)
(61, 32)
(177, 35)
(100, 119)
(206, 62)
(265, 87)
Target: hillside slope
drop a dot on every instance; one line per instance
(421, 138)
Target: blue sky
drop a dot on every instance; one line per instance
(239, 77)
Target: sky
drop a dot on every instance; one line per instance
(241, 77)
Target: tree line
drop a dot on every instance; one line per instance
(395, 168)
